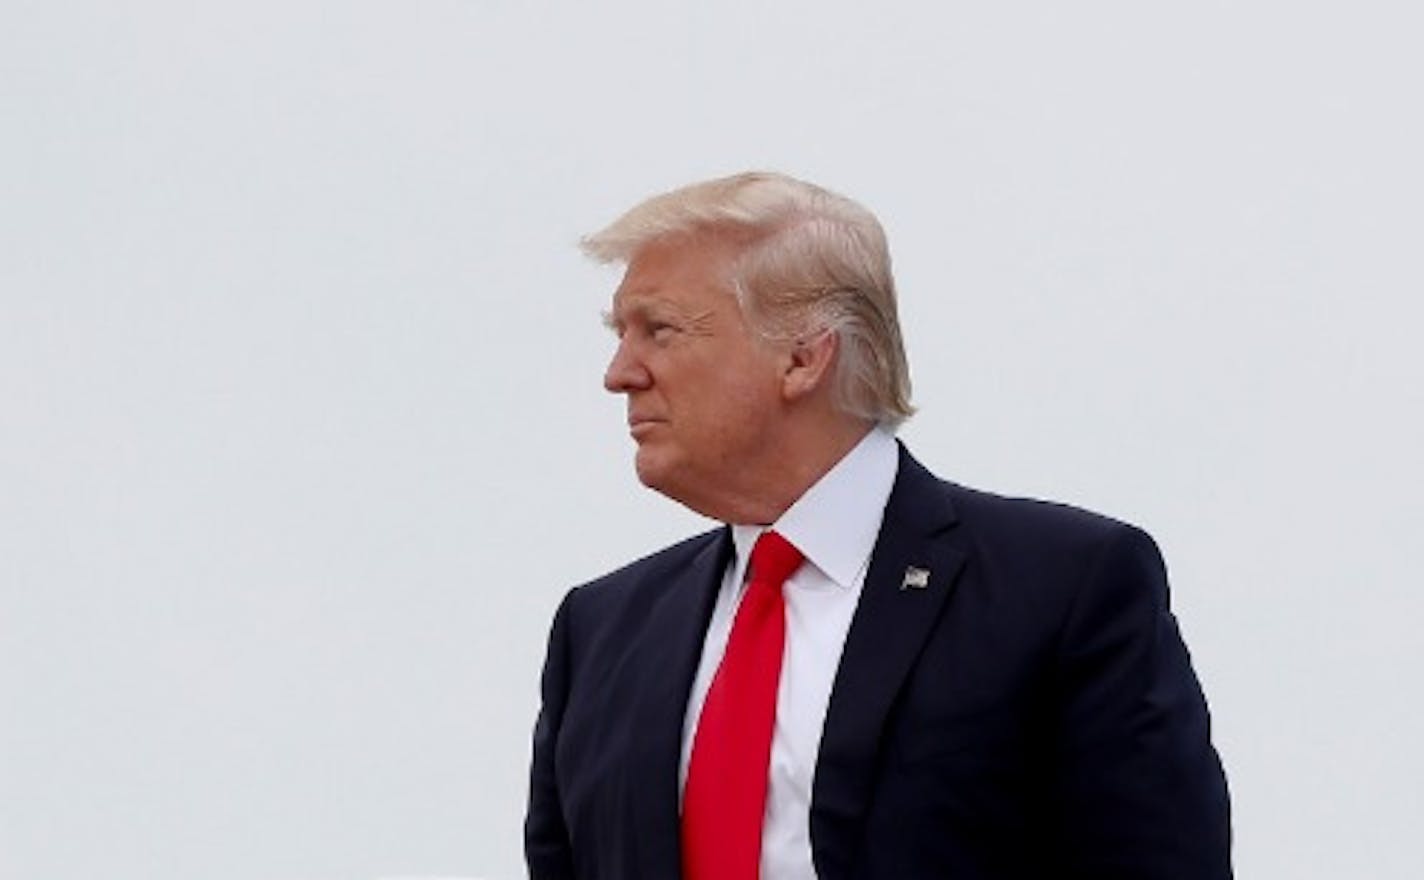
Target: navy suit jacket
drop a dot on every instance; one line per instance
(1031, 712)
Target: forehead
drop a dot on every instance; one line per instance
(679, 270)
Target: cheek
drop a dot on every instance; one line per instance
(755, 385)
(722, 396)
(744, 407)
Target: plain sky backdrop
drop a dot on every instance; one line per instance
(302, 436)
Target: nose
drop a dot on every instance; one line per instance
(626, 372)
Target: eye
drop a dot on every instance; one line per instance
(661, 331)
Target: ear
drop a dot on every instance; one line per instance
(808, 365)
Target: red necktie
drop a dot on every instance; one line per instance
(724, 798)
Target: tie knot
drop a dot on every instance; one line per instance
(774, 558)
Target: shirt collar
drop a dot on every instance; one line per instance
(835, 522)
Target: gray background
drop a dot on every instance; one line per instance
(302, 438)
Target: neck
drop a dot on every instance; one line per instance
(793, 463)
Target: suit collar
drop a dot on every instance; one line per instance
(911, 576)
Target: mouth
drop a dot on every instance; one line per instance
(639, 426)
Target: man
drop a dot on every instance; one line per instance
(868, 672)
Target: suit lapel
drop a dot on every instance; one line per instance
(897, 610)
(665, 661)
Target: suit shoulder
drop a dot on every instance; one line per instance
(991, 514)
(650, 570)
(979, 505)
(1038, 522)
(671, 556)
(1057, 556)
(603, 616)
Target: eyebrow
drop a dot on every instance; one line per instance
(696, 322)
(641, 304)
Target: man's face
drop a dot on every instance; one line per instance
(704, 392)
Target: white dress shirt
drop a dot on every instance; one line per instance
(834, 525)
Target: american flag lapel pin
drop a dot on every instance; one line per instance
(915, 578)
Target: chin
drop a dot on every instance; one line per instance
(652, 468)
(660, 472)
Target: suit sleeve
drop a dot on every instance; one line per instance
(547, 849)
(1140, 790)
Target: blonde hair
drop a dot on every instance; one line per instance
(813, 262)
